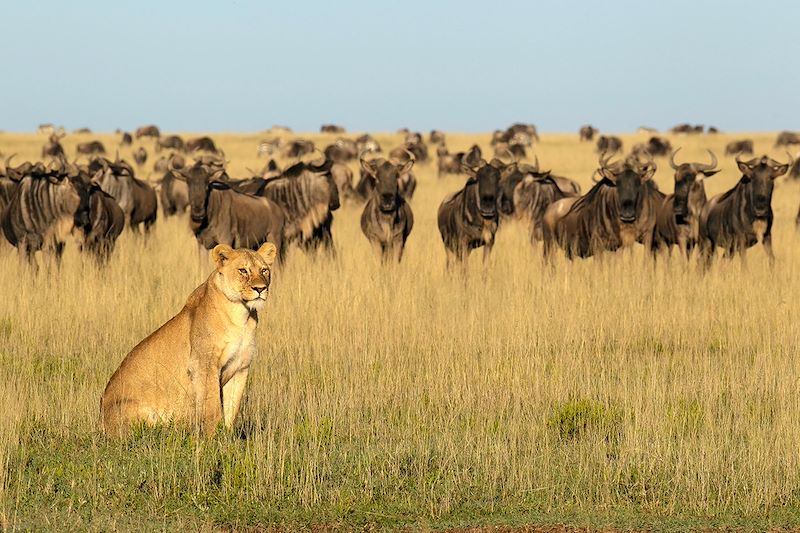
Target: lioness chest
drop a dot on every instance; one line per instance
(236, 350)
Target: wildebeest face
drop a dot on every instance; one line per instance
(690, 193)
(629, 179)
(488, 179)
(386, 177)
(760, 173)
(197, 179)
(82, 217)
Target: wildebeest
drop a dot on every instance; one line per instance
(148, 131)
(448, 163)
(201, 144)
(413, 144)
(79, 131)
(786, 138)
(678, 216)
(136, 197)
(91, 148)
(655, 146)
(609, 144)
(222, 215)
(53, 147)
(50, 129)
(406, 181)
(712, 130)
(126, 140)
(174, 192)
(517, 133)
(436, 137)
(387, 219)
(298, 148)
(100, 220)
(745, 146)
(343, 177)
(604, 219)
(308, 196)
(687, 128)
(140, 156)
(41, 211)
(331, 128)
(367, 143)
(533, 193)
(587, 133)
(515, 149)
(468, 218)
(171, 142)
(162, 163)
(342, 151)
(741, 217)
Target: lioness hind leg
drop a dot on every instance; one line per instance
(119, 417)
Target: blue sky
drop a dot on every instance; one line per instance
(378, 66)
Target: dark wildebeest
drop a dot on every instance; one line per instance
(448, 163)
(367, 143)
(587, 133)
(605, 218)
(171, 142)
(741, 217)
(298, 148)
(140, 156)
(53, 147)
(104, 223)
(407, 181)
(712, 130)
(655, 146)
(42, 210)
(744, 146)
(786, 138)
(437, 137)
(343, 177)
(79, 131)
(174, 192)
(687, 128)
(136, 197)
(201, 144)
(342, 151)
(91, 148)
(126, 140)
(678, 216)
(794, 171)
(609, 144)
(162, 163)
(148, 131)
(221, 215)
(468, 218)
(387, 218)
(413, 144)
(331, 128)
(308, 196)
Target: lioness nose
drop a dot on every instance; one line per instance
(260, 289)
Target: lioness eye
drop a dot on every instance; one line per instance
(264, 271)
(243, 271)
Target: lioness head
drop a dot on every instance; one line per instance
(244, 275)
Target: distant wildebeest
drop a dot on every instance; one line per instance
(140, 156)
(298, 148)
(587, 133)
(387, 219)
(468, 218)
(712, 130)
(678, 216)
(174, 192)
(687, 128)
(413, 144)
(367, 143)
(342, 151)
(42, 210)
(519, 134)
(171, 142)
(646, 129)
(126, 140)
(268, 147)
(148, 131)
(104, 223)
(50, 129)
(53, 147)
(448, 163)
(655, 146)
(604, 219)
(331, 128)
(436, 137)
(786, 138)
(406, 181)
(91, 148)
(162, 163)
(222, 215)
(343, 177)
(136, 197)
(741, 217)
(609, 144)
(201, 144)
(79, 131)
(745, 146)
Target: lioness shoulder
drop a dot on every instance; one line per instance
(194, 368)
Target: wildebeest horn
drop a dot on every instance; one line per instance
(672, 158)
(604, 159)
(703, 166)
(791, 159)
(513, 157)
(8, 160)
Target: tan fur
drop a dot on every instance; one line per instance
(759, 228)
(194, 368)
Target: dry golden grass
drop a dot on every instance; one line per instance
(600, 392)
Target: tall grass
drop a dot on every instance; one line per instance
(609, 391)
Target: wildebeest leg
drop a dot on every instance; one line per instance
(767, 242)
(326, 239)
(378, 250)
(397, 249)
(487, 251)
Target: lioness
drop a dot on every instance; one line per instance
(194, 368)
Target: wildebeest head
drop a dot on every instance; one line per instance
(197, 178)
(386, 176)
(759, 173)
(487, 178)
(628, 177)
(510, 176)
(324, 169)
(689, 188)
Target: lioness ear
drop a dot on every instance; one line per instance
(268, 252)
(221, 253)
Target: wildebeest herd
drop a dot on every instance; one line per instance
(42, 202)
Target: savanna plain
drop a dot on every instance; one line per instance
(613, 392)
